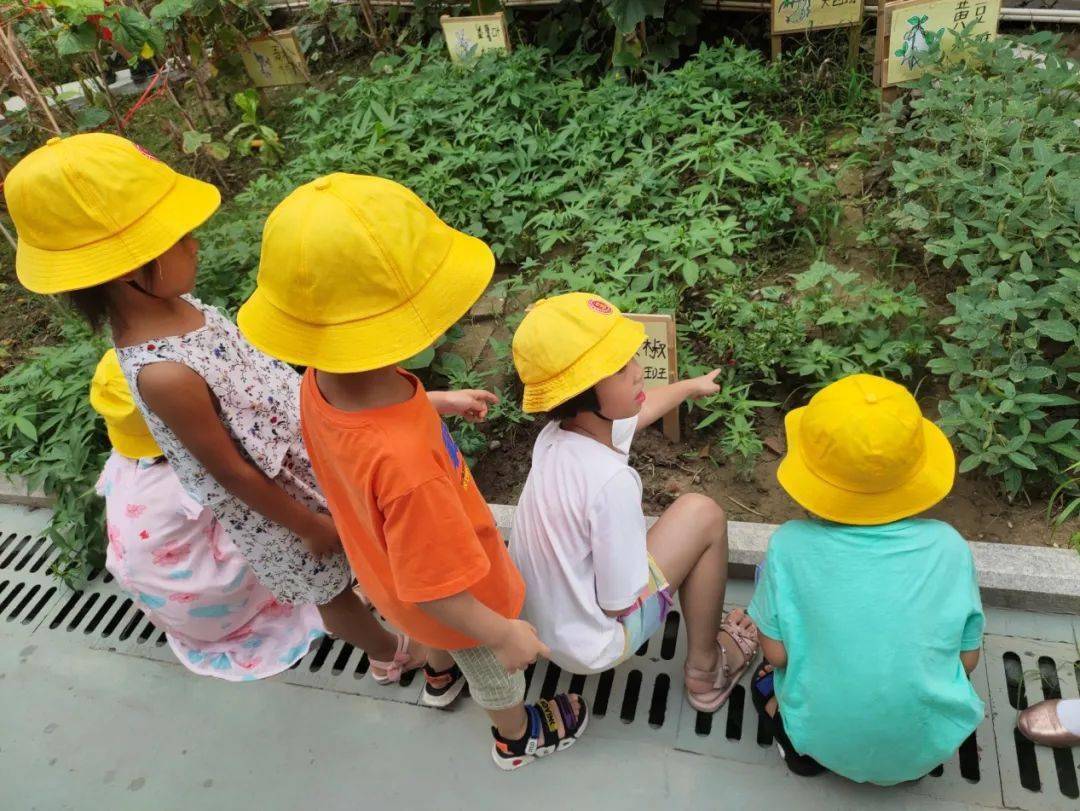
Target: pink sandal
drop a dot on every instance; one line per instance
(392, 671)
(722, 679)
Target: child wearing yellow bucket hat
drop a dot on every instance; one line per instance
(869, 617)
(176, 562)
(102, 221)
(598, 581)
(357, 275)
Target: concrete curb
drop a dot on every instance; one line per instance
(1030, 578)
(14, 491)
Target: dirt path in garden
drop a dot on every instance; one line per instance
(25, 321)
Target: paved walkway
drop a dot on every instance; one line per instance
(95, 714)
(89, 729)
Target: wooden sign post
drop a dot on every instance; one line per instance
(914, 34)
(801, 16)
(658, 357)
(275, 59)
(468, 37)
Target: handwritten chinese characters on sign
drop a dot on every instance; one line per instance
(921, 33)
(275, 59)
(658, 357)
(468, 37)
(809, 15)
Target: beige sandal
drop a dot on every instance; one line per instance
(723, 679)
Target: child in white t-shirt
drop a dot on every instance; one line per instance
(598, 581)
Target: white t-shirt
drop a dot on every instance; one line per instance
(579, 542)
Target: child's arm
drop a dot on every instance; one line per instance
(183, 402)
(970, 658)
(774, 651)
(661, 400)
(514, 642)
(471, 404)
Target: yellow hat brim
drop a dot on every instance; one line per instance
(603, 359)
(186, 206)
(141, 446)
(930, 484)
(381, 340)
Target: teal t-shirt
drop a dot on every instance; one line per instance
(873, 620)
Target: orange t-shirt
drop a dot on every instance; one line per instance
(412, 521)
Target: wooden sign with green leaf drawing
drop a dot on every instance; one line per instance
(918, 33)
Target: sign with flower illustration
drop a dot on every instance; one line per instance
(790, 16)
(921, 33)
(468, 37)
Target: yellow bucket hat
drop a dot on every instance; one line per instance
(861, 453)
(357, 273)
(568, 343)
(92, 207)
(111, 398)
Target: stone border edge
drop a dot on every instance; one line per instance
(1030, 578)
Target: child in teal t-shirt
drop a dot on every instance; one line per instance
(870, 619)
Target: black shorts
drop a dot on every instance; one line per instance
(802, 765)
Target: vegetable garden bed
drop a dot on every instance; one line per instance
(794, 234)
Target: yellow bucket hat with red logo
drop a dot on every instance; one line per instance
(569, 343)
(862, 453)
(358, 273)
(111, 398)
(92, 207)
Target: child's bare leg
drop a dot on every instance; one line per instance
(439, 660)
(348, 618)
(689, 544)
(510, 722)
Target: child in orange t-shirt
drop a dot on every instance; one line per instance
(356, 276)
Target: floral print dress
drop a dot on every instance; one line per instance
(258, 401)
(174, 559)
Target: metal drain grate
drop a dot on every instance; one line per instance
(1021, 672)
(643, 699)
(26, 587)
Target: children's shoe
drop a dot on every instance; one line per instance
(402, 663)
(442, 686)
(552, 727)
(711, 688)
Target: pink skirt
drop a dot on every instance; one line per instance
(175, 560)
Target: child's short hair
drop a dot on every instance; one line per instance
(578, 404)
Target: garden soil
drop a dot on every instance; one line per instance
(668, 470)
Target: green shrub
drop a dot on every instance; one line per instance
(986, 178)
(49, 436)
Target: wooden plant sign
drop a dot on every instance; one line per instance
(658, 357)
(468, 37)
(914, 34)
(801, 16)
(275, 59)
(796, 16)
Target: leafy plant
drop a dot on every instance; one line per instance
(986, 176)
(251, 134)
(50, 437)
